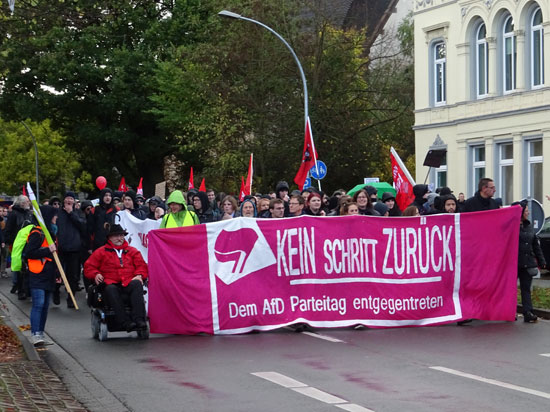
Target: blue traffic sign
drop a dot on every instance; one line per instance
(307, 183)
(321, 167)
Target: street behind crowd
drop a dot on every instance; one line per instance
(483, 366)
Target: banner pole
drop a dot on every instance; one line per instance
(64, 277)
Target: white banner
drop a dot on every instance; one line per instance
(137, 230)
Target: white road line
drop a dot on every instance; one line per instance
(492, 382)
(319, 395)
(279, 379)
(310, 391)
(324, 337)
(545, 354)
(351, 407)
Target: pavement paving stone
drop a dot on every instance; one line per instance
(31, 386)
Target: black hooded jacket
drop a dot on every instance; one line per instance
(101, 215)
(206, 214)
(419, 191)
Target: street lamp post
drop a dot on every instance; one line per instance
(230, 14)
(35, 160)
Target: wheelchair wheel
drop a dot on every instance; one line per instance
(143, 333)
(103, 332)
(95, 326)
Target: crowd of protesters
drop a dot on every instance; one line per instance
(81, 228)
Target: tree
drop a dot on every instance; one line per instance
(58, 168)
(133, 81)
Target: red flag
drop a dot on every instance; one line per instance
(241, 192)
(202, 187)
(402, 181)
(24, 191)
(309, 157)
(122, 186)
(191, 185)
(248, 185)
(140, 187)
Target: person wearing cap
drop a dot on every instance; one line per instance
(71, 228)
(389, 200)
(420, 197)
(42, 273)
(152, 205)
(122, 269)
(248, 208)
(130, 205)
(179, 215)
(530, 256)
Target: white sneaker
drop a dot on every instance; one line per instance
(37, 340)
(45, 341)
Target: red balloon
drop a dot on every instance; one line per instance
(101, 182)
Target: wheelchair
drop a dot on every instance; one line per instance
(103, 317)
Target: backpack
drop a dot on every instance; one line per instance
(18, 245)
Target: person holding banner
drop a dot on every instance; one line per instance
(42, 273)
(179, 214)
(248, 208)
(530, 256)
(363, 200)
(314, 205)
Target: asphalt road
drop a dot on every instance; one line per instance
(484, 366)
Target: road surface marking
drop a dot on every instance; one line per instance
(279, 379)
(545, 354)
(310, 391)
(351, 407)
(324, 337)
(492, 382)
(319, 395)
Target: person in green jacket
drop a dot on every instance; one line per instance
(179, 215)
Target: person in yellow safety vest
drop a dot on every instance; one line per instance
(179, 215)
(42, 273)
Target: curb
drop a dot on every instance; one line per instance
(541, 313)
(30, 351)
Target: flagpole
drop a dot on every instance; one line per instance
(36, 210)
(35, 159)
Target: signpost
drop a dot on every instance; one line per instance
(319, 171)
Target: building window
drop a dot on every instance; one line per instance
(441, 173)
(482, 62)
(537, 49)
(506, 172)
(534, 169)
(440, 69)
(509, 54)
(478, 165)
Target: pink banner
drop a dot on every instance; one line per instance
(249, 274)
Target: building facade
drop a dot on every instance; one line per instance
(482, 92)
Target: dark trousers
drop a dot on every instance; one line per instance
(114, 297)
(525, 281)
(71, 266)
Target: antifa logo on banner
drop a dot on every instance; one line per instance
(236, 249)
(229, 240)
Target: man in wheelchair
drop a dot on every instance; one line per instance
(123, 270)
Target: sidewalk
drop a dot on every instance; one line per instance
(28, 384)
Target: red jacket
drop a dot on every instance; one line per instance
(106, 262)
